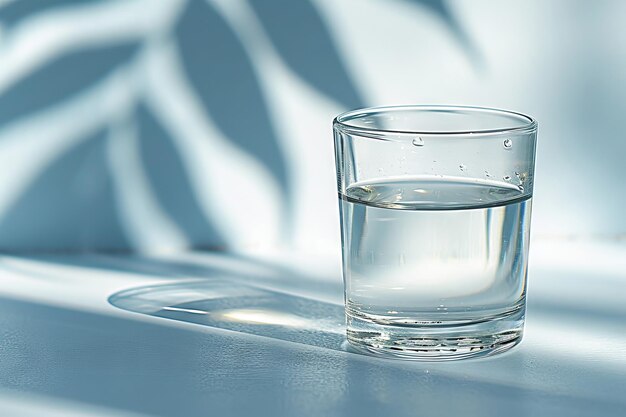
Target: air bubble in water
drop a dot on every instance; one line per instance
(508, 143)
(418, 142)
(487, 174)
(520, 187)
(506, 178)
(462, 167)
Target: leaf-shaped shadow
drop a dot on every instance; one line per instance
(300, 35)
(16, 11)
(442, 11)
(70, 205)
(60, 79)
(167, 174)
(223, 77)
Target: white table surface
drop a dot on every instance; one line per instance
(66, 351)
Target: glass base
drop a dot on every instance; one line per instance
(439, 342)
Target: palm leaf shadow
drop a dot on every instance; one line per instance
(301, 37)
(16, 11)
(70, 205)
(60, 80)
(166, 172)
(222, 75)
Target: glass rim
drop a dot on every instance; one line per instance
(341, 121)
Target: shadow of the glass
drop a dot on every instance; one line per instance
(227, 304)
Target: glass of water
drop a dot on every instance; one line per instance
(435, 206)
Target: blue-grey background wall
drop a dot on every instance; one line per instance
(160, 125)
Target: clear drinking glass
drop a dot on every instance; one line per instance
(435, 206)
